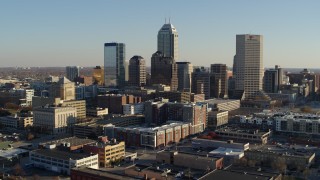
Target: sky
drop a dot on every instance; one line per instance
(60, 33)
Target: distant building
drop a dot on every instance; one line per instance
(137, 71)
(55, 120)
(115, 102)
(96, 112)
(248, 64)
(168, 41)
(164, 70)
(98, 75)
(72, 72)
(130, 109)
(185, 70)
(80, 106)
(219, 81)
(201, 82)
(114, 64)
(63, 89)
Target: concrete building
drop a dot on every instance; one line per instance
(97, 112)
(168, 41)
(80, 106)
(61, 161)
(137, 71)
(223, 104)
(271, 81)
(164, 70)
(63, 89)
(130, 109)
(72, 72)
(185, 70)
(98, 75)
(115, 102)
(198, 143)
(154, 112)
(219, 81)
(180, 96)
(71, 144)
(55, 120)
(217, 119)
(16, 122)
(248, 64)
(108, 152)
(201, 82)
(195, 161)
(114, 64)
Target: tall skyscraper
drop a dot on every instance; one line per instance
(114, 64)
(137, 71)
(185, 70)
(219, 85)
(168, 41)
(248, 64)
(164, 70)
(201, 82)
(72, 72)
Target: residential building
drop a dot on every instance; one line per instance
(137, 71)
(248, 64)
(114, 64)
(168, 41)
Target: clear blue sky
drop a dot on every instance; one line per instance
(72, 32)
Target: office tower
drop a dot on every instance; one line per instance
(72, 72)
(168, 41)
(63, 89)
(201, 82)
(98, 75)
(137, 71)
(164, 70)
(185, 70)
(114, 64)
(248, 64)
(219, 85)
(271, 81)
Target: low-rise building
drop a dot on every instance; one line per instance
(108, 152)
(96, 112)
(68, 144)
(217, 119)
(80, 106)
(198, 143)
(223, 104)
(16, 122)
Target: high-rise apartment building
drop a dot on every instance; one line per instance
(248, 64)
(168, 41)
(114, 64)
(219, 81)
(185, 70)
(72, 72)
(98, 75)
(164, 70)
(137, 71)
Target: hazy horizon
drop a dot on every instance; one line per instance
(61, 33)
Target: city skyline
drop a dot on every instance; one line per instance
(37, 33)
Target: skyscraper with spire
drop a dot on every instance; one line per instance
(168, 41)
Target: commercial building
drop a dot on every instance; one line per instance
(248, 64)
(193, 161)
(243, 135)
(72, 72)
(80, 106)
(63, 89)
(271, 81)
(185, 70)
(137, 71)
(16, 122)
(219, 81)
(216, 119)
(96, 112)
(199, 143)
(180, 96)
(108, 152)
(168, 41)
(97, 174)
(71, 144)
(114, 64)
(201, 82)
(98, 75)
(61, 161)
(115, 102)
(55, 120)
(223, 104)
(164, 70)
(130, 109)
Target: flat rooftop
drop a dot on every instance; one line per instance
(74, 141)
(219, 101)
(225, 174)
(241, 131)
(64, 155)
(12, 152)
(101, 173)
